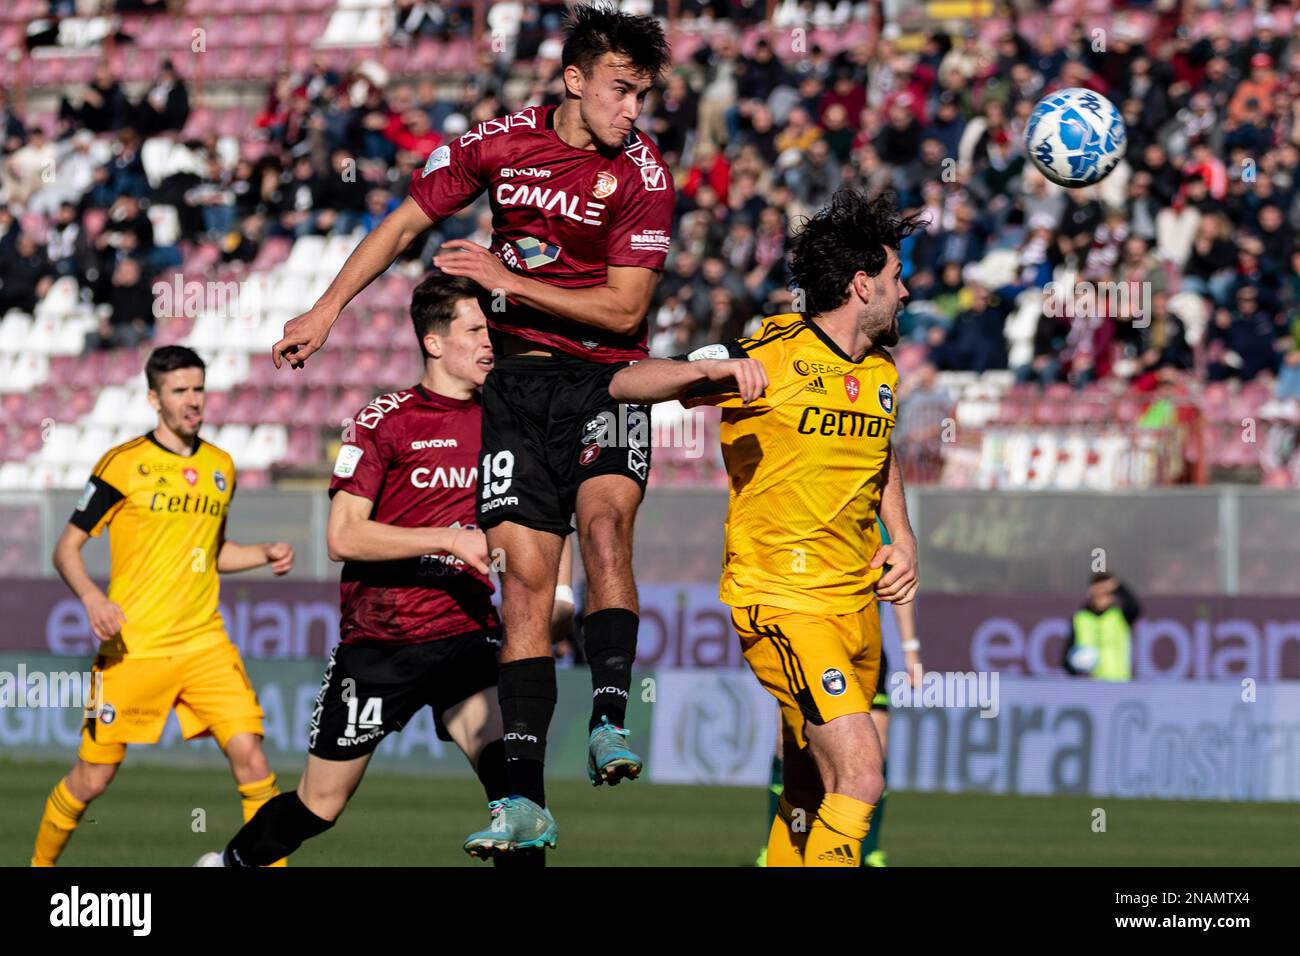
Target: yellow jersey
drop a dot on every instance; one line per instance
(806, 464)
(166, 516)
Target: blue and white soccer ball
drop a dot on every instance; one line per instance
(1075, 137)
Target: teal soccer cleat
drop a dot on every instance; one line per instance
(608, 759)
(517, 824)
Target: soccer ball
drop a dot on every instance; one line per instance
(1084, 659)
(1075, 137)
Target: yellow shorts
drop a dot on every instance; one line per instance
(209, 690)
(817, 666)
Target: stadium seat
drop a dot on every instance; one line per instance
(267, 444)
(21, 373)
(343, 28)
(226, 369)
(14, 329)
(64, 297)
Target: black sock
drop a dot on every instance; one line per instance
(277, 829)
(491, 770)
(527, 694)
(492, 774)
(611, 648)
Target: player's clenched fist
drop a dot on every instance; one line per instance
(898, 584)
(106, 618)
(470, 545)
(303, 335)
(749, 375)
(279, 555)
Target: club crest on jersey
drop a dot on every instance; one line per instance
(534, 253)
(833, 681)
(219, 480)
(588, 455)
(191, 476)
(886, 396)
(851, 387)
(439, 158)
(606, 183)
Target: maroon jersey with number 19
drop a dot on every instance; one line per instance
(559, 214)
(415, 455)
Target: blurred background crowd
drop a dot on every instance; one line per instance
(768, 109)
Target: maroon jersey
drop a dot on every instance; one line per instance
(559, 214)
(415, 455)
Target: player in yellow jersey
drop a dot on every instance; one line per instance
(808, 405)
(164, 498)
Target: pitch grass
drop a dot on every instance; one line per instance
(148, 817)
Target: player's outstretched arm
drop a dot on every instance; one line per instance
(351, 535)
(899, 583)
(662, 380)
(619, 306)
(106, 618)
(233, 558)
(306, 333)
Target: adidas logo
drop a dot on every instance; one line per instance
(816, 386)
(841, 854)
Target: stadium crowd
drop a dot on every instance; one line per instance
(1204, 214)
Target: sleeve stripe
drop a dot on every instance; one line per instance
(779, 334)
(126, 446)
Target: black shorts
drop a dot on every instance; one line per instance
(881, 700)
(549, 424)
(371, 690)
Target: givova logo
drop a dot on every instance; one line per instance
(76, 909)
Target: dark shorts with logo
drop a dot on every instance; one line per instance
(371, 690)
(549, 424)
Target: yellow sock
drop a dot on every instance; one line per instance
(835, 837)
(253, 795)
(62, 814)
(785, 844)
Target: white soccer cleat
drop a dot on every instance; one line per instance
(210, 859)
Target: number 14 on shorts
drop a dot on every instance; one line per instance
(371, 715)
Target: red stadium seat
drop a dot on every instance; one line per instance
(305, 447)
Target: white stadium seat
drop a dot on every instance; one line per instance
(226, 369)
(14, 329)
(60, 445)
(62, 298)
(304, 256)
(266, 445)
(23, 372)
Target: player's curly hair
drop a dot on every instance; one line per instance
(852, 233)
(592, 30)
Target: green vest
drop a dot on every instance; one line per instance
(1108, 632)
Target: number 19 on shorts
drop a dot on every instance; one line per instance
(498, 476)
